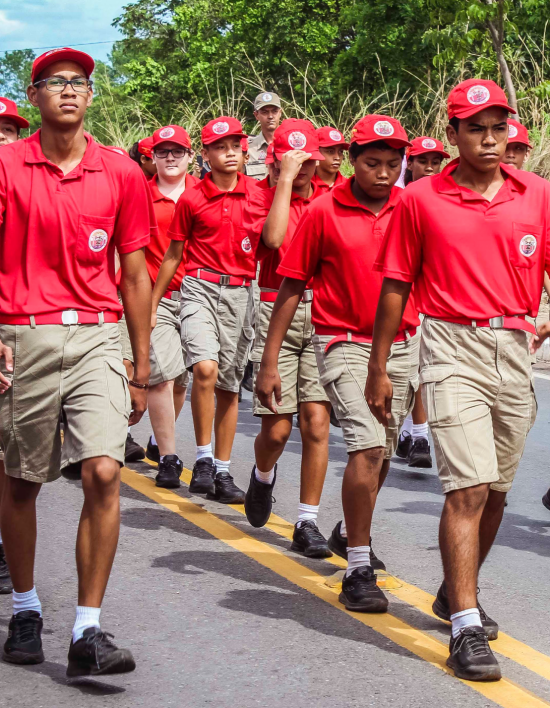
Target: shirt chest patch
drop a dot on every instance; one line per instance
(528, 245)
(98, 240)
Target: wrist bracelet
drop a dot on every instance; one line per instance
(135, 384)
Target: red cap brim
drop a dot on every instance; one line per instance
(472, 110)
(215, 138)
(424, 151)
(85, 61)
(173, 140)
(331, 144)
(521, 142)
(17, 119)
(396, 143)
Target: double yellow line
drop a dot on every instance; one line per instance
(505, 693)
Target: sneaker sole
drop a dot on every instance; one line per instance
(489, 673)
(401, 455)
(422, 463)
(168, 484)
(337, 552)
(321, 552)
(122, 664)
(23, 658)
(377, 606)
(135, 456)
(6, 589)
(201, 488)
(225, 500)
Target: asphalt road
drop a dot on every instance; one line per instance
(220, 614)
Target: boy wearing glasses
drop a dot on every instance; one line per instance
(169, 378)
(66, 203)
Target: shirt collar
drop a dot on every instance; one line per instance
(445, 184)
(297, 198)
(211, 190)
(91, 160)
(344, 195)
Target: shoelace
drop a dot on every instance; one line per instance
(420, 445)
(315, 534)
(477, 642)
(26, 632)
(98, 641)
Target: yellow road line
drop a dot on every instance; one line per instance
(505, 693)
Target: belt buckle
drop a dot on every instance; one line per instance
(224, 279)
(175, 295)
(307, 296)
(69, 317)
(496, 322)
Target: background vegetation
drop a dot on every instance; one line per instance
(185, 61)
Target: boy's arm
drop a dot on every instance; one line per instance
(167, 271)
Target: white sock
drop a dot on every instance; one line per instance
(407, 426)
(265, 477)
(85, 617)
(307, 512)
(465, 618)
(343, 529)
(420, 431)
(222, 467)
(204, 451)
(153, 439)
(26, 601)
(358, 557)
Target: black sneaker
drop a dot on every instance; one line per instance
(24, 643)
(5, 579)
(225, 490)
(440, 608)
(248, 378)
(202, 479)
(404, 444)
(133, 451)
(360, 593)
(169, 472)
(258, 501)
(307, 539)
(419, 455)
(152, 452)
(337, 543)
(95, 654)
(546, 500)
(471, 656)
(375, 562)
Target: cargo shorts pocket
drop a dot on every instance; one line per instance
(328, 381)
(244, 346)
(440, 393)
(189, 330)
(119, 390)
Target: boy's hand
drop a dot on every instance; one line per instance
(291, 163)
(543, 332)
(379, 394)
(268, 384)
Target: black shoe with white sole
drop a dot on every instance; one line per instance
(309, 541)
(337, 543)
(169, 471)
(471, 657)
(202, 479)
(95, 654)
(420, 455)
(360, 593)
(441, 609)
(258, 501)
(24, 642)
(226, 491)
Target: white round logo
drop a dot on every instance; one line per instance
(384, 128)
(477, 95)
(262, 155)
(512, 131)
(528, 245)
(335, 135)
(220, 128)
(267, 97)
(3, 107)
(166, 133)
(297, 140)
(98, 240)
(246, 245)
(429, 144)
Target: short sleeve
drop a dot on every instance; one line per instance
(304, 252)
(135, 221)
(182, 222)
(400, 255)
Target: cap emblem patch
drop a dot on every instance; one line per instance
(512, 131)
(166, 132)
(384, 128)
(220, 128)
(297, 140)
(429, 144)
(477, 95)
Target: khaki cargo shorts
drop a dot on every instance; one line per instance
(297, 363)
(76, 370)
(214, 328)
(165, 352)
(344, 370)
(479, 399)
(125, 343)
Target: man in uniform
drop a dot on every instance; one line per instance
(65, 204)
(475, 367)
(267, 111)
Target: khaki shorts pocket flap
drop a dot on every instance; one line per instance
(248, 333)
(189, 308)
(331, 375)
(118, 367)
(437, 372)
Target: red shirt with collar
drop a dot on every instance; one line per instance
(263, 183)
(58, 232)
(255, 218)
(324, 187)
(466, 256)
(211, 221)
(164, 211)
(336, 244)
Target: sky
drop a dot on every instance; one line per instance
(30, 24)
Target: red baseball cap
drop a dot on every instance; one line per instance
(145, 146)
(244, 144)
(330, 137)
(8, 109)
(474, 95)
(222, 127)
(115, 148)
(374, 127)
(44, 60)
(296, 134)
(173, 134)
(424, 144)
(517, 133)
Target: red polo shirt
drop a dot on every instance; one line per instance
(256, 216)
(58, 232)
(336, 244)
(469, 257)
(164, 211)
(211, 221)
(324, 187)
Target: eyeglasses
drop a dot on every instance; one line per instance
(177, 153)
(57, 84)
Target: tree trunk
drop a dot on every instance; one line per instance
(497, 37)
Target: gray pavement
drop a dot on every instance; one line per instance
(211, 627)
